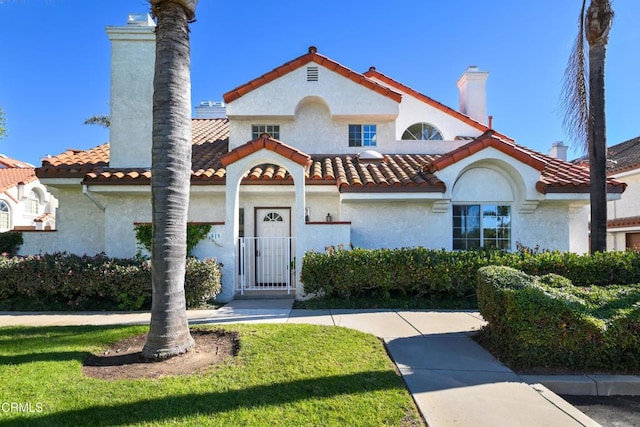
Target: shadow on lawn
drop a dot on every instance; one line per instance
(209, 404)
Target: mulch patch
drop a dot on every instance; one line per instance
(123, 359)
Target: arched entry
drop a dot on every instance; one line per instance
(240, 269)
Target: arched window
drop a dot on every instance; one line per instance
(33, 203)
(422, 132)
(5, 223)
(272, 217)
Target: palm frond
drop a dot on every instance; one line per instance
(574, 101)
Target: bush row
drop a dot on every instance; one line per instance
(546, 322)
(62, 281)
(420, 271)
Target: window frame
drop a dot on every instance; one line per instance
(260, 128)
(363, 135)
(6, 212)
(498, 236)
(33, 202)
(422, 125)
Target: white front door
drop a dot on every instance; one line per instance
(273, 246)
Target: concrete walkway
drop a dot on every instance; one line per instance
(453, 380)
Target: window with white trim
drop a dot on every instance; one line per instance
(422, 132)
(257, 130)
(33, 203)
(5, 222)
(362, 135)
(481, 226)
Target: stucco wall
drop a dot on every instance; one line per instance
(629, 203)
(391, 224)
(313, 116)
(80, 227)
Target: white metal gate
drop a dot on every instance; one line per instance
(265, 263)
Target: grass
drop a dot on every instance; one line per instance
(284, 375)
(396, 302)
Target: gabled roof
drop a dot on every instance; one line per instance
(10, 177)
(488, 139)
(311, 56)
(267, 143)
(556, 176)
(375, 74)
(624, 156)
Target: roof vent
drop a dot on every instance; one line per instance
(312, 74)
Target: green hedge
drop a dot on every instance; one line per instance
(420, 271)
(546, 322)
(62, 281)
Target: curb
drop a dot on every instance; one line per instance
(588, 385)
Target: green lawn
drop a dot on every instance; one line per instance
(284, 375)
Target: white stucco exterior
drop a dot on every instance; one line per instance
(313, 118)
(26, 202)
(628, 206)
(132, 66)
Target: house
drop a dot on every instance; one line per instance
(313, 154)
(623, 225)
(25, 204)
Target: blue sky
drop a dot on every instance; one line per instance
(54, 58)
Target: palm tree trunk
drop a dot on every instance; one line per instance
(598, 23)
(597, 149)
(170, 179)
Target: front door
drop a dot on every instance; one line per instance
(273, 246)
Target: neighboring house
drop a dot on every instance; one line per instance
(624, 214)
(25, 204)
(310, 155)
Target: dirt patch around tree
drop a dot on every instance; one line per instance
(123, 359)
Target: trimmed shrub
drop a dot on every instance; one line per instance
(549, 323)
(195, 234)
(425, 272)
(63, 281)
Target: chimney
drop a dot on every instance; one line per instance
(211, 110)
(132, 68)
(473, 93)
(558, 150)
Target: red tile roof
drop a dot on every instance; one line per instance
(373, 73)
(209, 130)
(489, 139)
(7, 162)
(74, 163)
(624, 156)
(311, 56)
(394, 172)
(267, 143)
(632, 221)
(556, 176)
(10, 177)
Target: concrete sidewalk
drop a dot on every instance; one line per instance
(453, 380)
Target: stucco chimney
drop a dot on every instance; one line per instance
(473, 93)
(132, 67)
(558, 150)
